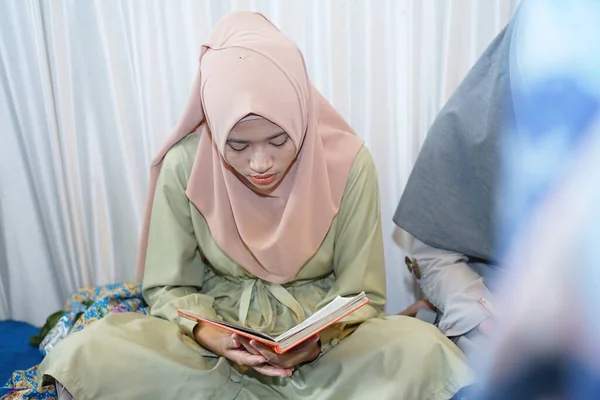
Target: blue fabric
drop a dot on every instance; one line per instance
(15, 350)
(84, 307)
(92, 303)
(550, 162)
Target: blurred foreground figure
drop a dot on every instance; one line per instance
(545, 345)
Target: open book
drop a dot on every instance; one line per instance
(328, 315)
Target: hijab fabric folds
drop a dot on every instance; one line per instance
(248, 67)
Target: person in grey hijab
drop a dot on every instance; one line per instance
(448, 203)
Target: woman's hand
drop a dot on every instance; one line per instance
(225, 345)
(282, 364)
(414, 308)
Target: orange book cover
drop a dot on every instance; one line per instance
(261, 337)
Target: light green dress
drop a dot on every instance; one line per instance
(368, 355)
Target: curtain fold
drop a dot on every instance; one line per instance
(90, 89)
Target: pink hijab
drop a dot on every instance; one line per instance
(249, 67)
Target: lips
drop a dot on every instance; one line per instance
(263, 180)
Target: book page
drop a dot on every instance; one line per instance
(332, 311)
(319, 325)
(335, 305)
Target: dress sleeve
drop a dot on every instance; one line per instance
(174, 270)
(451, 285)
(358, 259)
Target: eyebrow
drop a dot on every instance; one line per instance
(241, 141)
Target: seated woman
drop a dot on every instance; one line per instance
(264, 207)
(448, 203)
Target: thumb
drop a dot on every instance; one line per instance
(312, 340)
(233, 341)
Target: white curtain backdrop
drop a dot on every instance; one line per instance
(90, 89)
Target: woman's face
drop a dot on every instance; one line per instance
(260, 152)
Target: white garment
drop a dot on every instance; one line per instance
(454, 287)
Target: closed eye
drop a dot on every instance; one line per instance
(280, 140)
(237, 146)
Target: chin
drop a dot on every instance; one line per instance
(263, 188)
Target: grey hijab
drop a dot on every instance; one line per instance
(448, 202)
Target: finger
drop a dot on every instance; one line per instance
(411, 311)
(242, 357)
(430, 306)
(246, 344)
(304, 350)
(231, 342)
(265, 350)
(287, 360)
(308, 351)
(239, 340)
(272, 357)
(309, 343)
(259, 346)
(270, 370)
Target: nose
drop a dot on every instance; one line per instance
(261, 163)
